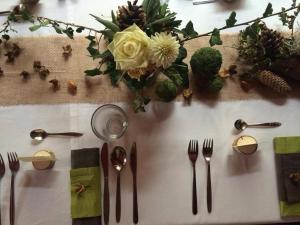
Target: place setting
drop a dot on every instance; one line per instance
(134, 114)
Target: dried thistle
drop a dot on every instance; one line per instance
(67, 51)
(43, 72)
(37, 65)
(1, 72)
(13, 52)
(24, 74)
(55, 84)
(72, 87)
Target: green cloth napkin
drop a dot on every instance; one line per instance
(85, 192)
(287, 151)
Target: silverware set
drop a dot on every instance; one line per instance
(14, 166)
(118, 160)
(207, 151)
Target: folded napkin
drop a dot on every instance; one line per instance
(287, 158)
(85, 187)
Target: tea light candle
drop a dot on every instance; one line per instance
(44, 164)
(245, 144)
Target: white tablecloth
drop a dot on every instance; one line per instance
(244, 188)
(205, 17)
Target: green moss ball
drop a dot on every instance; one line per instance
(206, 62)
(215, 85)
(166, 90)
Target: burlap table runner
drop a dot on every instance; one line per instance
(98, 89)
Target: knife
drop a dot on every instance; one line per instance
(133, 165)
(104, 162)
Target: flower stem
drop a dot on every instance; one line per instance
(68, 24)
(241, 24)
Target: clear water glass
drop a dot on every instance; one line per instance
(109, 122)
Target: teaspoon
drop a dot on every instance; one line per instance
(118, 161)
(40, 134)
(242, 125)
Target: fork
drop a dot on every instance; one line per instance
(193, 155)
(14, 166)
(207, 151)
(2, 172)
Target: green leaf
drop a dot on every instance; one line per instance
(183, 70)
(231, 20)
(252, 31)
(93, 72)
(79, 29)
(114, 74)
(6, 37)
(108, 34)
(108, 24)
(163, 20)
(57, 29)
(268, 11)
(35, 27)
(69, 32)
(151, 8)
(182, 54)
(94, 53)
(215, 38)
(189, 31)
(140, 102)
(113, 17)
(174, 75)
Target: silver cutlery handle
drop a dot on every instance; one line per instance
(0, 203)
(71, 134)
(209, 196)
(106, 201)
(12, 200)
(135, 203)
(118, 199)
(271, 124)
(195, 205)
(199, 2)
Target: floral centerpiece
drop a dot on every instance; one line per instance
(145, 48)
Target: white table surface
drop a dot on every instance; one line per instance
(244, 189)
(205, 17)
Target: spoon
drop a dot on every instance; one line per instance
(118, 161)
(242, 125)
(40, 134)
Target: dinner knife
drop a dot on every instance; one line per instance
(133, 166)
(104, 162)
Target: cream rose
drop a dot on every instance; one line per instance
(130, 48)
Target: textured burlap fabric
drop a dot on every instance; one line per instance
(48, 50)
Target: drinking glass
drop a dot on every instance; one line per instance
(109, 122)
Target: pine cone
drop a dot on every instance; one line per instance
(130, 14)
(272, 41)
(273, 81)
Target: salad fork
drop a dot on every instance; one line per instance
(193, 155)
(2, 172)
(207, 151)
(14, 166)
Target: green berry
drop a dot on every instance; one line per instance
(166, 90)
(206, 62)
(216, 84)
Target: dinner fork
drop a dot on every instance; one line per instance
(193, 155)
(2, 172)
(207, 151)
(14, 166)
